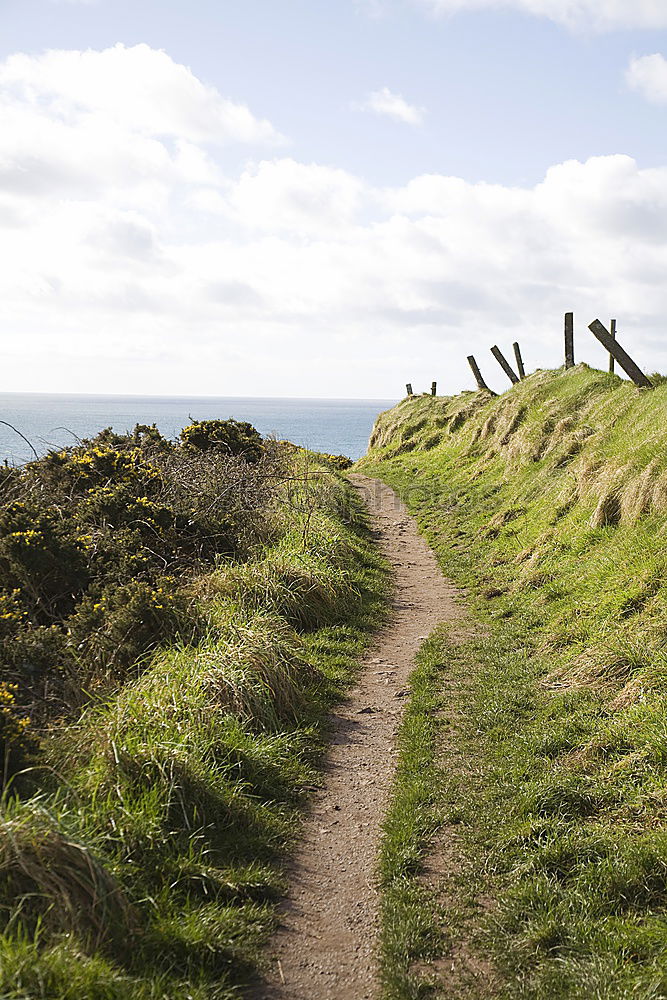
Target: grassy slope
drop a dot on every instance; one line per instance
(549, 505)
(149, 867)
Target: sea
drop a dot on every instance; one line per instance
(33, 423)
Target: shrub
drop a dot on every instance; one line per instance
(77, 470)
(338, 462)
(230, 437)
(16, 743)
(42, 558)
(34, 654)
(99, 542)
(145, 437)
(12, 614)
(109, 632)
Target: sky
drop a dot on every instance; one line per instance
(326, 198)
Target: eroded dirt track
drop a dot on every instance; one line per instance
(325, 947)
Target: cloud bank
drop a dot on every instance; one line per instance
(132, 259)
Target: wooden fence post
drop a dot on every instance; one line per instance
(506, 367)
(623, 358)
(569, 340)
(409, 388)
(519, 360)
(612, 334)
(434, 386)
(481, 384)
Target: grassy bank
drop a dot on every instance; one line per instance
(549, 506)
(142, 858)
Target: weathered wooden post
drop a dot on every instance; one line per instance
(612, 334)
(409, 388)
(519, 360)
(504, 364)
(569, 340)
(481, 384)
(433, 388)
(623, 358)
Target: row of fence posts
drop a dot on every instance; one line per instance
(606, 337)
(434, 386)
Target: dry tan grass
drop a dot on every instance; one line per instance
(509, 427)
(487, 428)
(265, 675)
(499, 520)
(57, 881)
(608, 510)
(633, 693)
(638, 494)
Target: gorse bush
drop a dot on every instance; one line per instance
(228, 437)
(338, 462)
(16, 744)
(43, 564)
(99, 540)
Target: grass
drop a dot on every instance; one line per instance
(548, 506)
(149, 863)
(408, 932)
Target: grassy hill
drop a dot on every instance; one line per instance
(542, 724)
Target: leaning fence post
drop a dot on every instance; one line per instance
(481, 384)
(519, 360)
(569, 340)
(408, 387)
(506, 367)
(612, 334)
(433, 388)
(623, 358)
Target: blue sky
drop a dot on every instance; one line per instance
(411, 177)
(507, 94)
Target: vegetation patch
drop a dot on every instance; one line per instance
(548, 505)
(159, 743)
(409, 935)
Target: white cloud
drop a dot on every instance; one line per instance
(133, 261)
(648, 75)
(139, 88)
(296, 197)
(384, 102)
(577, 14)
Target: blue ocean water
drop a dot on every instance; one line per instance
(338, 426)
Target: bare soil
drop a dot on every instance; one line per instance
(325, 946)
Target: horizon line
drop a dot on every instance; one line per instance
(136, 395)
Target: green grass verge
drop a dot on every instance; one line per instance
(149, 864)
(409, 934)
(548, 506)
(432, 885)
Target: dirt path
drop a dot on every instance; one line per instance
(324, 949)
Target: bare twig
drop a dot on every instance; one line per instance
(16, 431)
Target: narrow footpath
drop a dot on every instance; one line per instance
(325, 946)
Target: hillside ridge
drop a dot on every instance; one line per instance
(548, 504)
